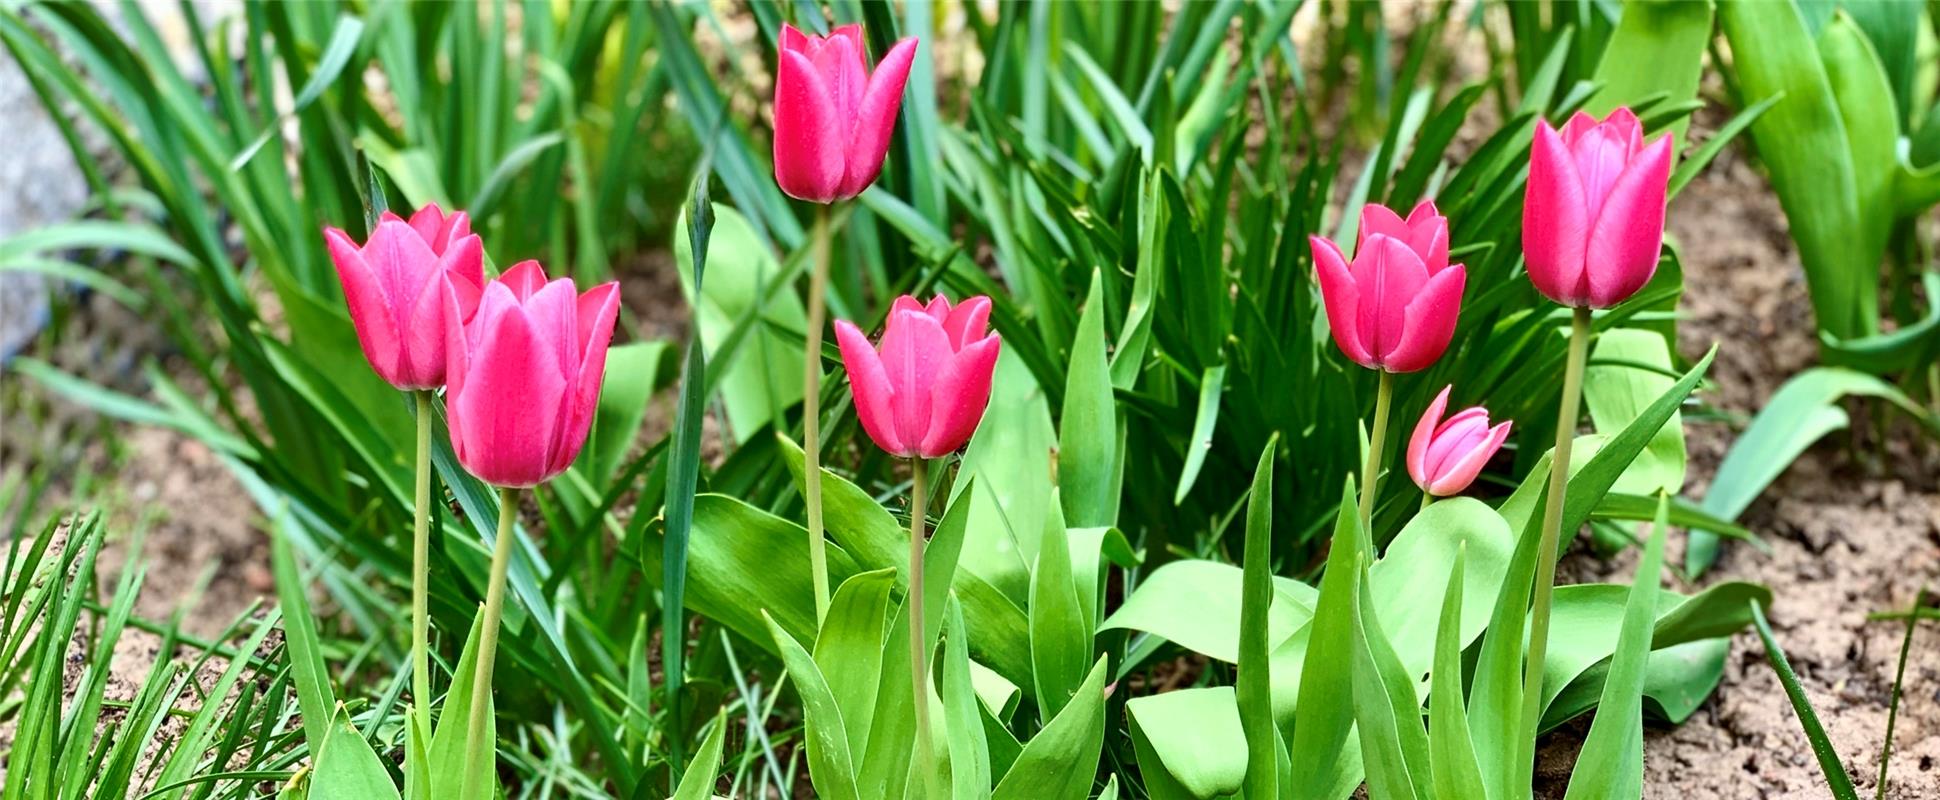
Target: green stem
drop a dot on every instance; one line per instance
(919, 655)
(1559, 473)
(818, 285)
(1377, 439)
(481, 723)
(420, 564)
(1426, 500)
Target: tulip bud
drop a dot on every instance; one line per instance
(395, 286)
(525, 375)
(1445, 457)
(1394, 307)
(1593, 217)
(925, 391)
(833, 117)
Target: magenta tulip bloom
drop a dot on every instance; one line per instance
(525, 375)
(395, 288)
(1593, 218)
(833, 116)
(1394, 307)
(1445, 457)
(924, 391)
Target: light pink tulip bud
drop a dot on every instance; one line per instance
(833, 117)
(395, 288)
(1445, 457)
(525, 375)
(925, 391)
(1593, 215)
(1394, 307)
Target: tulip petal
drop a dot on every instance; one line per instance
(939, 308)
(510, 403)
(968, 321)
(1429, 322)
(792, 38)
(1389, 275)
(1377, 218)
(421, 361)
(1424, 435)
(958, 399)
(875, 118)
(465, 257)
(429, 222)
(840, 63)
(1466, 429)
(1342, 299)
(1428, 235)
(809, 145)
(907, 303)
(874, 396)
(914, 352)
(1456, 476)
(597, 310)
(525, 279)
(370, 312)
(1629, 233)
(402, 263)
(1555, 220)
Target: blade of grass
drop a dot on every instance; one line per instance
(1835, 772)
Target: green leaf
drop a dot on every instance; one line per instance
(1061, 759)
(1088, 429)
(1394, 747)
(1060, 638)
(1670, 37)
(343, 43)
(417, 753)
(1010, 459)
(1901, 349)
(970, 768)
(763, 377)
(1190, 743)
(449, 737)
(698, 782)
(634, 371)
(1324, 709)
(1697, 158)
(1451, 752)
(742, 559)
(1630, 368)
(1254, 685)
(346, 767)
(831, 766)
(1611, 763)
(1835, 772)
(1211, 386)
(1197, 605)
(848, 649)
(313, 693)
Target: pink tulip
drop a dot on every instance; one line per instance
(832, 116)
(1394, 307)
(395, 287)
(525, 375)
(1445, 457)
(1593, 218)
(925, 391)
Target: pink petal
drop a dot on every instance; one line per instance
(525, 279)
(1579, 124)
(1601, 156)
(465, 257)
(402, 262)
(421, 364)
(370, 311)
(914, 351)
(1555, 220)
(968, 321)
(459, 311)
(597, 310)
(840, 64)
(1458, 475)
(907, 303)
(792, 38)
(809, 141)
(429, 222)
(1377, 218)
(1428, 235)
(1626, 128)
(1455, 436)
(1424, 434)
(1389, 275)
(458, 225)
(1628, 234)
(961, 394)
(510, 404)
(874, 396)
(1342, 298)
(875, 118)
(939, 308)
(1430, 322)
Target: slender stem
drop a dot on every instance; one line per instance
(1426, 500)
(919, 653)
(1899, 680)
(420, 565)
(1559, 472)
(481, 723)
(818, 286)
(1377, 439)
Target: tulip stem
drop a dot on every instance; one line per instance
(1559, 472)
(1377, 439)
(919, 654)
(1426, 500)
(818, 286)
(481, 725)
(420, 564)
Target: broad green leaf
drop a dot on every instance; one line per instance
(1062, 759)
(1060, 639)
(634, 371)
(848, 649)
(417, 753)
(1611, 763)
(1387, 713)
(764, 376)
(448, 736)
(313, 693)
(1325, 709)
(831, 766)
(1900, 349)
(1630, 368)
(1451, 752)
(698, 782)
(346, 768)
(1088, 434)
(970, 769)
(1190, 743)
(1010, 458)
(1670, 37)
(742, 560)
(1254, 685)
(1196, 605)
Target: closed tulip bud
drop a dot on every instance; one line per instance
(525, 375)
(833, 116)
(395, 286)
(923, 393)
(1394, 307)
(1593, 218)
(1445, 456)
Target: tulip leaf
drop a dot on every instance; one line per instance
(1211, 386)
(346, 768)
(1190, 743)
(742, 559)
(1611, 763)
(1062, 759)
(1010, 460)
(1324, 708)
(848, 648)
(449, 736)
(1089, 462)
(698, 783)
(1627, 372)
(1451, 751)
(1196, 604)
(1060, 638)
(1671, 38)
(1254, 685)
(634, 372)
(831, 765)
(763, 376)
(970, 767)
(1837, 780)
(1394, 746)
(312, 677)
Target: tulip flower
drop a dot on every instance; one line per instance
(833, 116)
(1593, 218)
(1394, 307)
(1444, 456)
(920, 397)
(924, 392)
(395, 287)
(525, 375)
